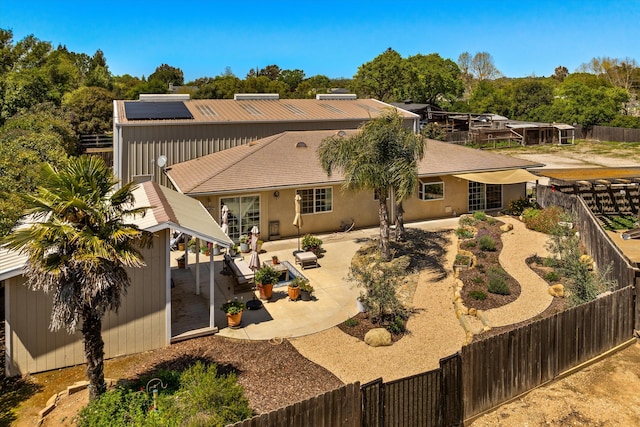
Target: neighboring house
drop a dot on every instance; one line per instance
(143, 321)
(162, 130)
(258, 183)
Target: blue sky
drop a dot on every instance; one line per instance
(330, 37)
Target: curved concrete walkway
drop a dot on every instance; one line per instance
(434, 332)
(518, 245)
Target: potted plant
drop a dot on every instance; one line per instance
(294, 289)
(265, 278)
(259, 245)
(192, 245)
(305, 288)
(244, 243)
(311, 243)
(215, 249)
(233, 250)
(233, 309)
(275, 260)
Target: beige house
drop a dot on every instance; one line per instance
(258, 183)
(159, 131)
(144, 320)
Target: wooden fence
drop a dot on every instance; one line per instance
(597, 242)
(608, 133)
(340, 407)
(501, 367)
(432, 398)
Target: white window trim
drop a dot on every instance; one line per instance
(422, 184)
(314, 189)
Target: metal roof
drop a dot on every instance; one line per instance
(268, 110)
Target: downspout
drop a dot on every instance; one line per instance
(212, 288)
(117, 149)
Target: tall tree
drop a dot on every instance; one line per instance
(483, 68)
(79, 245)
(168, 74)
(432, 79)
(382, 78)
(381, 157)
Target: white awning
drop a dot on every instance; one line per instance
(513, 176)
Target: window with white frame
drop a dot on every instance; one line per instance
(484, 196)
(431, 190)
(315, 200)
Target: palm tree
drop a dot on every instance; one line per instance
(381, 157)
(78, 246)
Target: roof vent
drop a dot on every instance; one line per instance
(255, 96)
(301, 144)
(158, 97)
(330, 96)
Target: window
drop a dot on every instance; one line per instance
(244, 213)
(484, 196)
(316, 200)
(431, 190)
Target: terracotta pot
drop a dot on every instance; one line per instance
(294, 293)
(234, 320)
(266, 290)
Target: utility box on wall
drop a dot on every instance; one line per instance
(274, 230)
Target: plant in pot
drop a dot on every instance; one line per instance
(233, 309)
(233, 250)
(311, 243)
(294, 289)
(265, 278)
(192, 245)
(275, 260)
(215, 249)
(244, 243)
(306, 290)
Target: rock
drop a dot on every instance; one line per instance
(506, 227)
(472, 311)
(557, 290)
(378, 337)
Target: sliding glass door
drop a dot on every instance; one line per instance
(244, 213)
(484, 196)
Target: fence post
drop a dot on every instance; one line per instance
(373, 403)
(451, 408)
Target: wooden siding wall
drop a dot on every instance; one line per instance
(138, 326)
(501, 367)
(142, 145)
(597, 242)
(608, 133)
(340, 407)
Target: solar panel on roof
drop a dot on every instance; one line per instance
(157, 110)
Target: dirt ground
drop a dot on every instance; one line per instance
(603, 394)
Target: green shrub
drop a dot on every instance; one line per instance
(478, 295)
(480, 216)
(498, 285)
(544, 221)
(311, 243)
(491, 220)
(481, 255)
(497, 270)
(351, 322)
(487, 243)
(117, 407)
(480, 268)
(396, 326)
(470, 244)
(201, 398)
(550, 262)
(551, 276)
(478, 280)
(517, 207)
(464, 233)
(467, 221)
(463, 260)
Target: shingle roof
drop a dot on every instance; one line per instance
(278, 161)
(274, 110)
(170, 209)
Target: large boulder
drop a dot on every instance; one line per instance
(557, 290)
(378, 337)
(506, 227)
